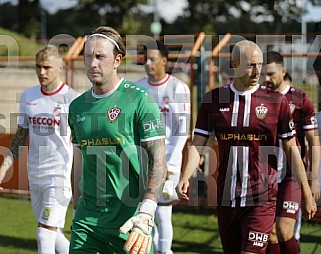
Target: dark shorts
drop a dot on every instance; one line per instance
(288, 199)
(245, 228)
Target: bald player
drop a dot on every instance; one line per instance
(247, 120)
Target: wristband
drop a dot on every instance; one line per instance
(148, 206)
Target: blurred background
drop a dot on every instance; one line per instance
(198, 33)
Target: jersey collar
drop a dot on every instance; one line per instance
(108, 93)
(250, 91)
(57, 90)
(161, 82)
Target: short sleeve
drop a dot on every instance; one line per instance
(286, 128)
(310, 121)
(150, 122)
(205, 123)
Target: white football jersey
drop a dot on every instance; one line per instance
(173, 98)
(50, 149)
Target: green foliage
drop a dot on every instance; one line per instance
(214, 17)
(13, 44)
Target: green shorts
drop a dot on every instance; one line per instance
(93, 239)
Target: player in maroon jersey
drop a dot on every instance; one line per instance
(247, 120)
(289, 195)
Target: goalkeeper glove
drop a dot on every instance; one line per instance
(141, 225)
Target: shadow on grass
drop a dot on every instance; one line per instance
(304, 238)
(192, 247)
(18, 243)
(209, 245)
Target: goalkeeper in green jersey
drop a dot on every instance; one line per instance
(120, 133)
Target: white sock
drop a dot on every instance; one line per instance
(165, 228)
(62, 243)
(155, 237)
(297, 226)
(46, 239)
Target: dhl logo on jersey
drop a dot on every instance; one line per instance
(248, 137)
(153, 125)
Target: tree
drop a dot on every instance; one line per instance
(113, 12)
(29, 17)
(278, 13)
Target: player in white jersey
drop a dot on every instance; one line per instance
(43, 120)
(173, 98)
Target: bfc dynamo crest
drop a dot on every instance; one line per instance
(261, 111)
(292, 107)
(112, 114)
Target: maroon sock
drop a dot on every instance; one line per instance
(290, 246)
(273, 249)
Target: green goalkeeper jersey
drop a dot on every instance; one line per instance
(109, 130)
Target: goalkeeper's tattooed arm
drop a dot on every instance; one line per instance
(156, 168)
(140, 225)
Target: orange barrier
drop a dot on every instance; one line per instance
(16, 179)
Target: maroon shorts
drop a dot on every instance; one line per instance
(245, 228)
(289, 199)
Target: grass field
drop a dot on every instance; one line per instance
(194, 231)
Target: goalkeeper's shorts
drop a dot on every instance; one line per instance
(87, 238)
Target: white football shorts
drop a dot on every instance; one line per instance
(50, 203)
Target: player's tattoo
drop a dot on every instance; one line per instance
(20, 139)
(157, 167)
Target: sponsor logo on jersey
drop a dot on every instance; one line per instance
(258, 238)
(237, 136)
(153, 125)
(44, 121)
(292, 107)
(164, 109)
(102, 141)
(46, 213)
(261, 111)
(112, 114)
(31, 103)
(291, 207)
(224, 109)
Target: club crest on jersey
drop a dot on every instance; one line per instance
(57, 111)
(292, 107)
(165, 100)
(112, 114)
(261, 111)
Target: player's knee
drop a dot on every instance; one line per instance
(285, 236)
(273, 238)
(285, 231)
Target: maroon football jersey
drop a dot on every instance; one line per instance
(303, 113)
(247, 126)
